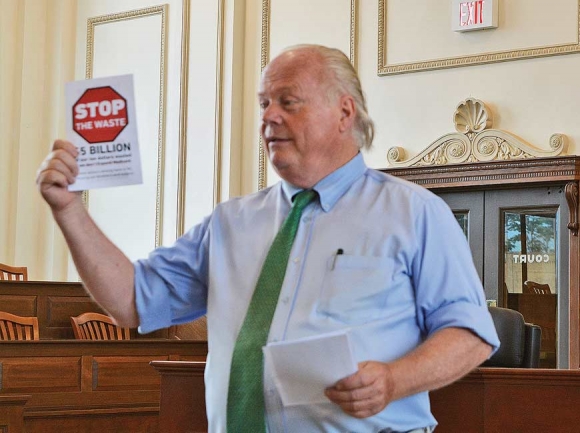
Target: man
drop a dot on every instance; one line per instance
(373, 254)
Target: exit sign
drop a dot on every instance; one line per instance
(473, 15)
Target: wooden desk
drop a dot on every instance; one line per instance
(488, 400)
(510, 400)
(90, 386)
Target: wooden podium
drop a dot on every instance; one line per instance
(182, 404)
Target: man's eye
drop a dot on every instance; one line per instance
(288, 102)
(263, 104)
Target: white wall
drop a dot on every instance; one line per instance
(44, 45)
(531, 98)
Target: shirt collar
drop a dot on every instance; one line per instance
(331, 188)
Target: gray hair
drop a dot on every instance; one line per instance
(345, 81)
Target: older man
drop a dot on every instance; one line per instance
(333, 246)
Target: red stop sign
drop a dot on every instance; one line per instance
(100, 115)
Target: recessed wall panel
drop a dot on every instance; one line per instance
(134, 43)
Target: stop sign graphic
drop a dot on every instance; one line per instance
(100, 115)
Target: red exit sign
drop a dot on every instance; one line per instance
(474, 15)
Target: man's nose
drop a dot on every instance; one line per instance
(272, 114)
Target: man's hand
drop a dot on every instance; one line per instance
(56, 173)
(444, 357)
(365, 393)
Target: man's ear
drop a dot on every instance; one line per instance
(347, 112)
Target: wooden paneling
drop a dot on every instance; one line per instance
(539, 310)
(119, 373)
(182, 406)
(510, 400)
(12, 413)
(145, 420)
(487, 400)
(90, 386)
(40, 374)
(53, 303)
(21, 305)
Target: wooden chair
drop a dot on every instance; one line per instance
(13, 273)
(13, 327)
(532, 287)
(97, 326)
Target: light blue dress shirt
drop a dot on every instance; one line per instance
(405, 272)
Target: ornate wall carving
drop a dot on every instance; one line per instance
(475, 141)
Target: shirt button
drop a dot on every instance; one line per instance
(285, 299)
(296, 259)
(306, 219)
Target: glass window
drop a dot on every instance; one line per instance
(530, 271)
(462, 218)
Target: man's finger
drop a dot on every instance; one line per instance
(339, 396)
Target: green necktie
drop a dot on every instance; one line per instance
(246, 412)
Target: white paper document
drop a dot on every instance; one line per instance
(304, 368)
(101, 122)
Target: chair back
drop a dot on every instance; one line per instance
(532, 287)
(13, 327)
(520, 341)
(97, 326)
(13, 273)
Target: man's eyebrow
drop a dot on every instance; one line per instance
(281, 90)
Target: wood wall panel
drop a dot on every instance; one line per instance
(53, 303)
(487, 400)
(143, 421)
(12, 413)
(59, 309)
(40, 374)
(510, 400)
(21, 305)
(90, 386)
(182, 407)
(125, 372)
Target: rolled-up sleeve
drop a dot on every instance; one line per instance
(448, 290)
(171, 284)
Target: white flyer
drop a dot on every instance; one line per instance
(101, 122)
(304, 368)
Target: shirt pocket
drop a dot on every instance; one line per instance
(354, 289)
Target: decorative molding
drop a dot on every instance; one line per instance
(474, 142)
(217, 190)
(265, 58)
(492, 174)
(129, 15)
(571, 191)
(95, 371)
(453, 62)
(183, 110)
(353, 33)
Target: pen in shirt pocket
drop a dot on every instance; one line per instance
(339, 252)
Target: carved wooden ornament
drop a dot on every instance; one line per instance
(474, 141)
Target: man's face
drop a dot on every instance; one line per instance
(300, 123)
